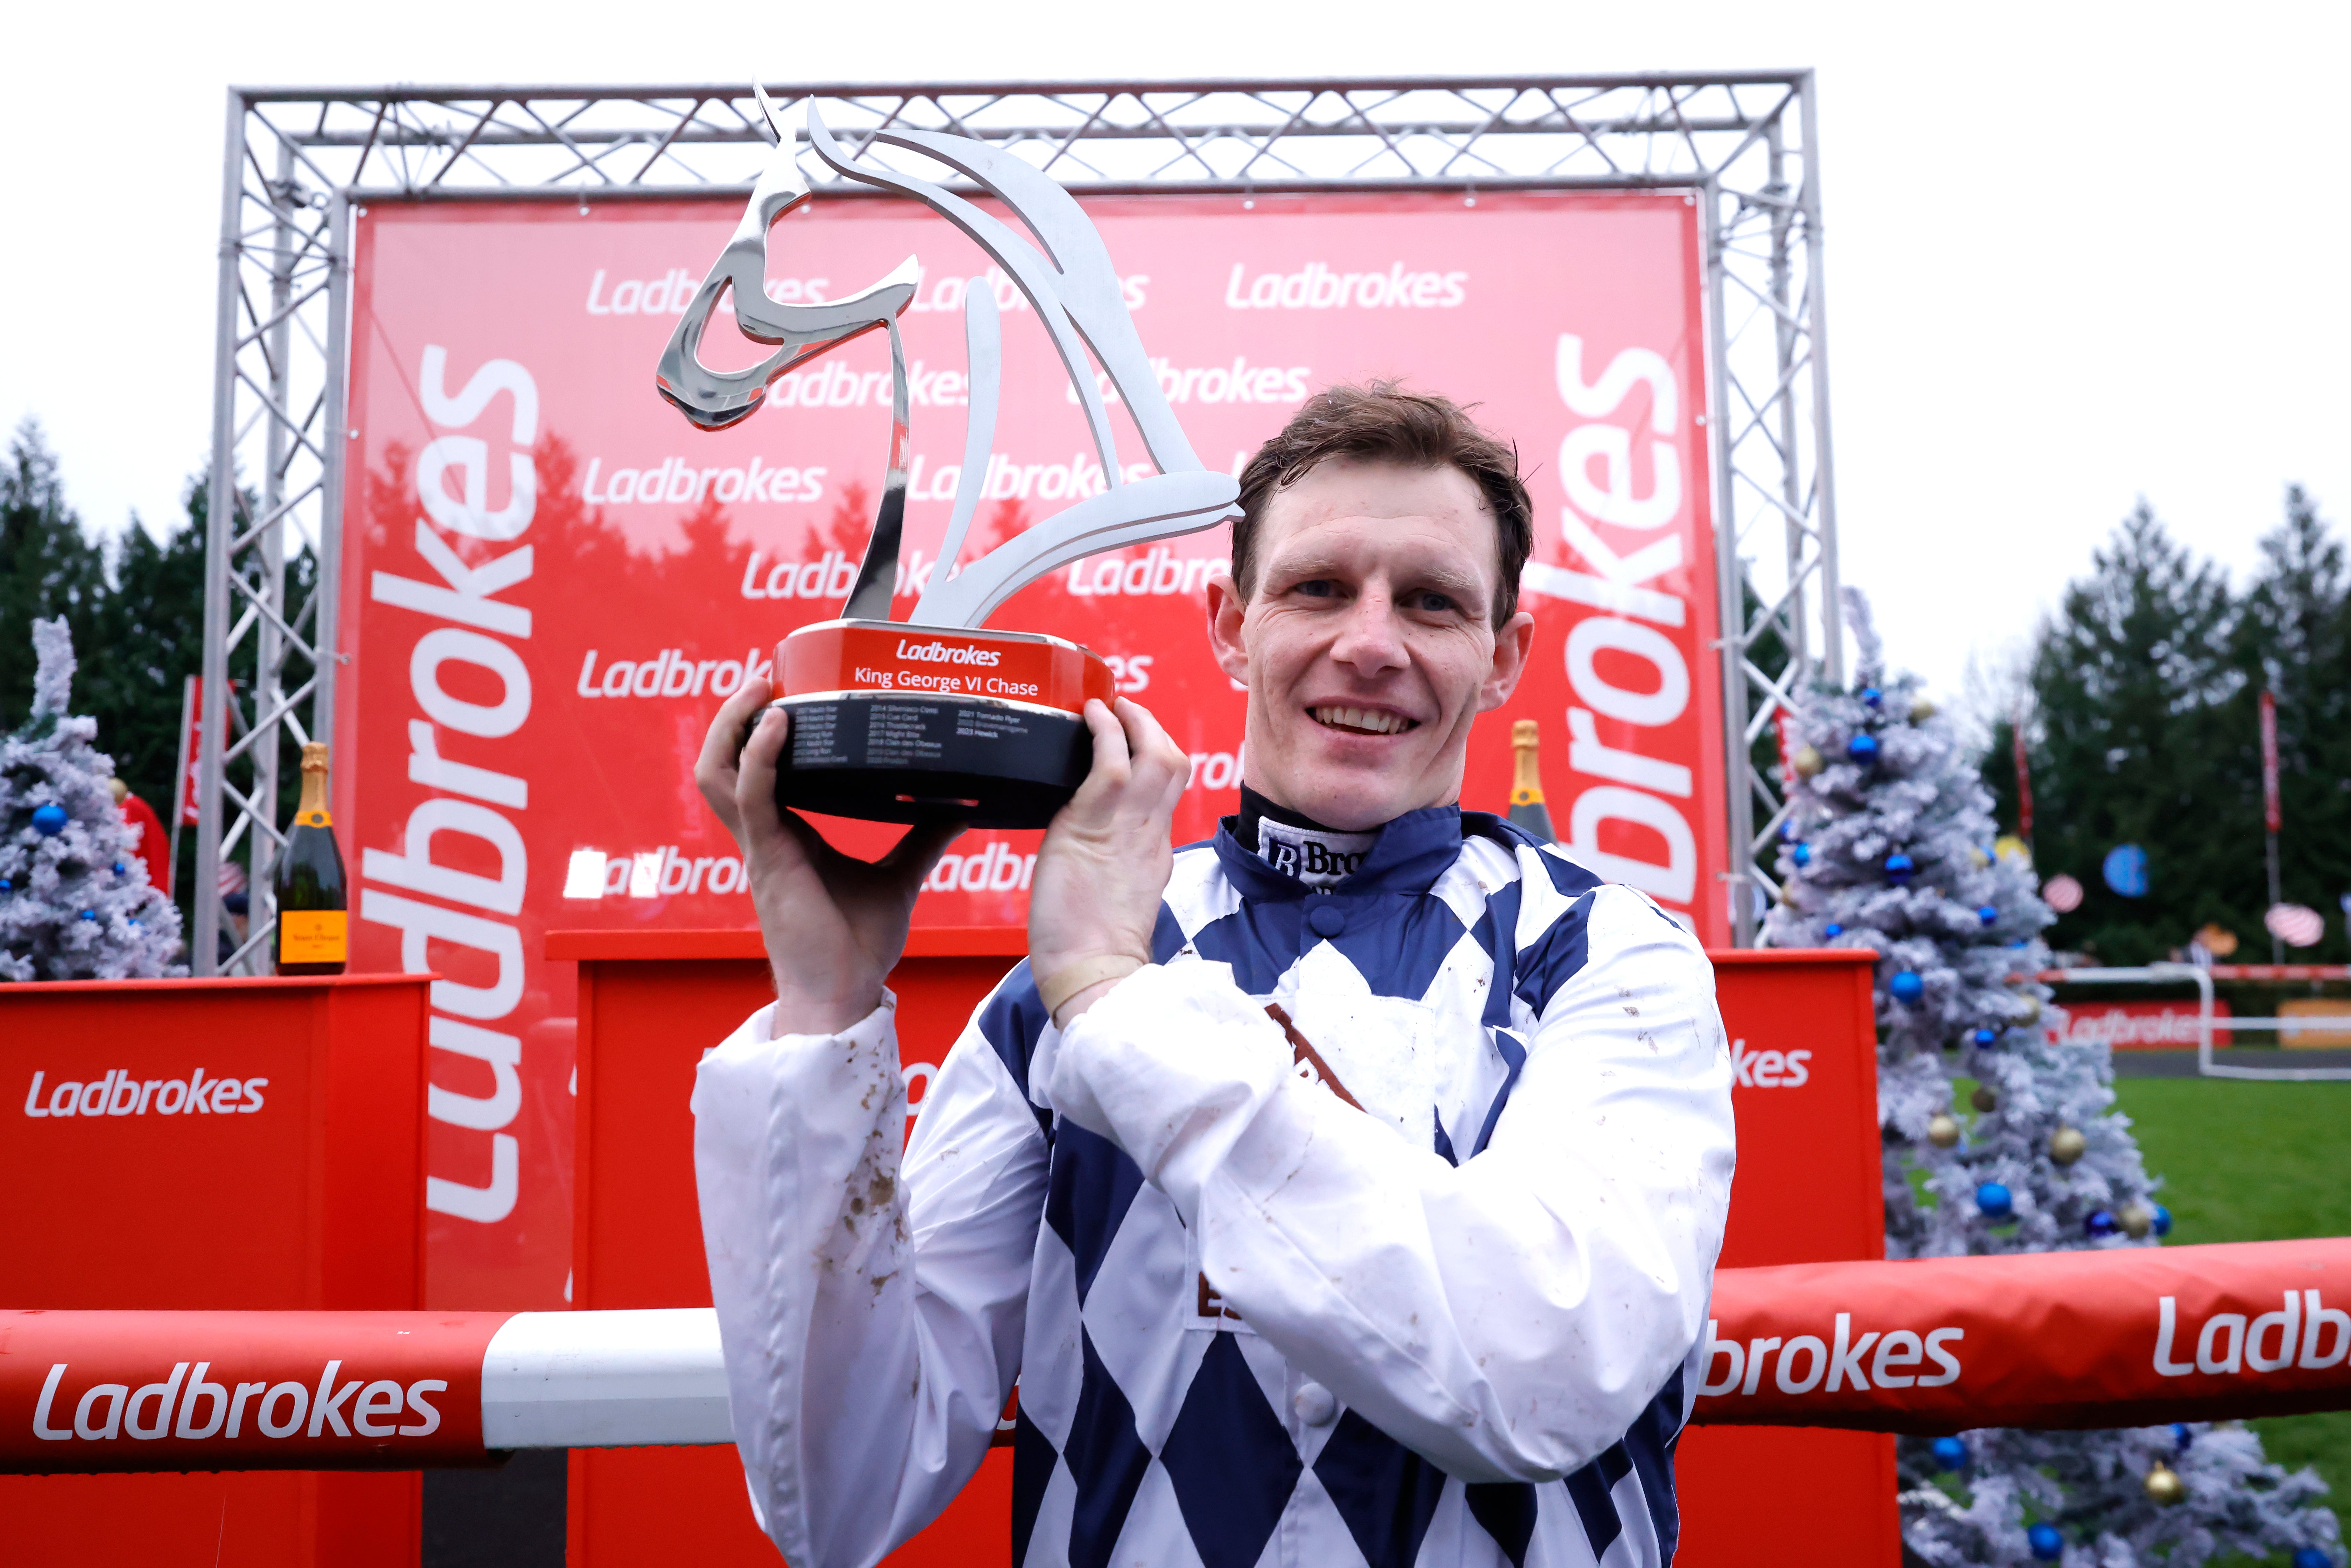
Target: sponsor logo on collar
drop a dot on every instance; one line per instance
(1313, 855)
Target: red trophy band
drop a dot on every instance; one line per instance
(894, 723)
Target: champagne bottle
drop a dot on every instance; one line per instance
(313, 929)
(1527, 808)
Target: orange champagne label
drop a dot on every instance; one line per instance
(313, 936)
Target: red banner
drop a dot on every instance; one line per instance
(551, 580)
(2272, 816)
(188, 792)
(2119, 1337)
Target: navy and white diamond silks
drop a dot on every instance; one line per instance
(1253, 1324)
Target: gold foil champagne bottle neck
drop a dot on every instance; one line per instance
(1526, 777)
(312, 812)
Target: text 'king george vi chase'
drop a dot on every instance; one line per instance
(906, 721)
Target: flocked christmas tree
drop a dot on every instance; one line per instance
(75, 900)
(1889, 845)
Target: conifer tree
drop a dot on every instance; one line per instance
(1890, 846)
(75, 902)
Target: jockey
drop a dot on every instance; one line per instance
(1345, 1189)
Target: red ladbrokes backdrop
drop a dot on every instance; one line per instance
(550, 581)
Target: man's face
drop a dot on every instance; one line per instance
(1369, 644)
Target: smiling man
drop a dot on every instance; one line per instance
(1344, 1190)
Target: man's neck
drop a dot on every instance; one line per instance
(1290, 840)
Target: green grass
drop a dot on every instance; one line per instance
(2255, 1162)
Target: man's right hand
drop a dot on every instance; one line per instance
(834, 926)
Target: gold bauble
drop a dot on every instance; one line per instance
(1983, 1099)
(1977, 858)
(2032, 1013)
(2163, 1485)
(1807, 762)
(1942, 1131)
(2135, 1220)
(2067, 1144)
(1921, 711)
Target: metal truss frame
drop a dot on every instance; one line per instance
(298, 161)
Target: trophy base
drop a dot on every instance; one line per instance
(925, 759)
(892, 723)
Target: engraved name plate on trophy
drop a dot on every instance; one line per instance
(904, 721)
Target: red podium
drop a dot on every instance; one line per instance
(212, 1143)
(651, 1002)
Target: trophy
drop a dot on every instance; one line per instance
(904, 721)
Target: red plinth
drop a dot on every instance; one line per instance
(651, 1003)
(299, 1187)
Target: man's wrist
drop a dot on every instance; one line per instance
(799, 1011)
(1068, 987)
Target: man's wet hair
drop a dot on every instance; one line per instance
(1380, 423)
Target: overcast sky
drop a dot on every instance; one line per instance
(2077, 253)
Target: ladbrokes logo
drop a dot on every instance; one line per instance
(1319, 286)
(949, 653)
(1770, 1069)
(1891, 1358)
(107, 1412)
(121, 1093)
(2303, 1332)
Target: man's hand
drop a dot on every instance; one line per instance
(834, 926)
(1094, 899)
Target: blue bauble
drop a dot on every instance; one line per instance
(1862, 748)
(1984, 1037)
(1993, 1200)
(1906, 986)
(1835, 928)
(118, 868)
(2046, 1543)
(2162, 1220)
(1872, 695)
(6, 886)
(2181, 1437)
(89, 914)
(1950, 1453)
(49, 821)
(1801, 854)
(1899, 868)
(2312, 1557)
(1987, 914)
(2101, 1222)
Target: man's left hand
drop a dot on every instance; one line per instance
(1094, 900)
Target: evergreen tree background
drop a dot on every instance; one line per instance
(2142, 726)
(136, 610)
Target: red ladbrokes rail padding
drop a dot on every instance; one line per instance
(2110, 1338)
(2120, 1337)
(236, 1391)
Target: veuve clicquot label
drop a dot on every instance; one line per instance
(313, 929)
(313, 936)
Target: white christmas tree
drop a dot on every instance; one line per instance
(1888, 844)
(75, 900)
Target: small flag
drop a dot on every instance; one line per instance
(2272, 816)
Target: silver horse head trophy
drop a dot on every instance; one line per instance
(984, 725)
(1075, 293)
